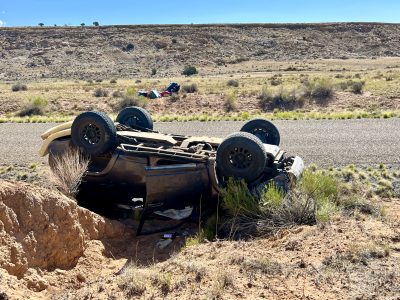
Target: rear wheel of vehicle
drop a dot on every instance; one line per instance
(241, 155)
(264, 130)
(135, 117)
(94, 133)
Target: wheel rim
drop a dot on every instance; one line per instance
(262, 134)
(240, 158)
(133, 121)
(91, 134)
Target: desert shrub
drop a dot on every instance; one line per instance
(271, 197)
(230, 102)
(160, 44)
(275, 81)
(99, 92)
(357, 87)
(19, 87)
(284, 99)
(129, 47)
(132, 101)
(174, 41)
(131, 98)
(189, 70)
(233, 83)
(117, 94)
(68, 170)
(98, 80)
(320, 89)
(153, 71)
(35, 106)
(237, 199)
(191, 88)
(314, 199)
(113, 81)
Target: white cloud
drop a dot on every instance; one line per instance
(3, 12)
(2, 23)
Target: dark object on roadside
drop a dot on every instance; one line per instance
(173, 87)
(129, 160)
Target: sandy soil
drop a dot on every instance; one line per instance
(53, 249)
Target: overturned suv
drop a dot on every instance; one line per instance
(130, 161)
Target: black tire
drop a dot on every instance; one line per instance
(241, 155)
(135, 117)
(94, 133)
(264, 130)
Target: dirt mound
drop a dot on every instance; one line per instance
(43, 229)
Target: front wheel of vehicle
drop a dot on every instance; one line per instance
(135, 117)
(264, 130)
(241, 155)
(94, 133)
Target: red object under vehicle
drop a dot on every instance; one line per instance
(165, 94)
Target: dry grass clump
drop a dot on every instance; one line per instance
(19, 87)
(284, 99)
(191, 88)
(135, 281)
(36, 106)
(99, 92)
(230, 102)
(130, 98)
(232, 83)
(68, 170)
(321, 90)
(357, 87)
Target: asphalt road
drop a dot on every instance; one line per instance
(324, 142)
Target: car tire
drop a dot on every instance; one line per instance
(135, 117)
(264, 130)
(241, 155)
(94, 133)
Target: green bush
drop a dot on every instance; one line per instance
(189, 70)
(237, 199)
(271, 197)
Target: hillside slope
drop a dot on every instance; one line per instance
(126, 51)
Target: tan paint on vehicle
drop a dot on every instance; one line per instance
(56, 129)
(58, 134)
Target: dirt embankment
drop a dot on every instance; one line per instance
(41, 230)
(50, 246)
(129, 51)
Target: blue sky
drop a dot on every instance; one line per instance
(74, 12)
